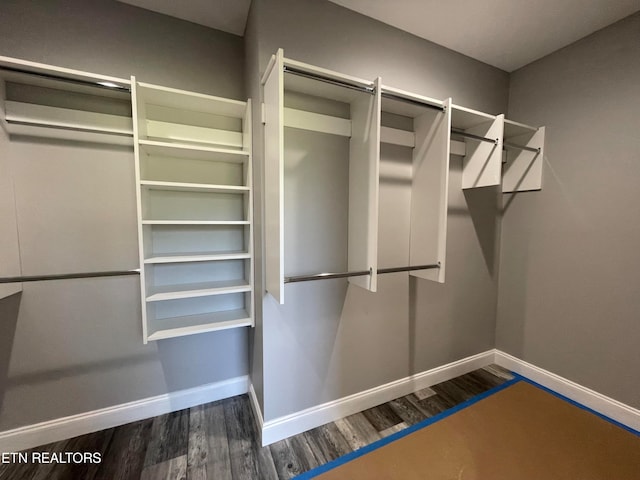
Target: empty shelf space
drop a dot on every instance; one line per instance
(198, 102)
(190, 324)
(192, 290)
(195, 152)
(196, 257)
(464, 118)
(514, 129)
(187, 187)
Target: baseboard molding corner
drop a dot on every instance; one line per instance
(255, 407)
(68, 427)
(598, 402)
(289, 425)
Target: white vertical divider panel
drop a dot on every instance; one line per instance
(137, 109)
(364, 169)
(429, 192)
(9, 246)
(522, 170)
(482, 164)
(273, 94)
(247, 144)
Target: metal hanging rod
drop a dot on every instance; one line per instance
(106, 85)
(462, 133)
(65, 127)
(326, 276)
(66, 276)
(393, 96)
(521, 147)
(332, 81)
(361, 273)
(409, 269)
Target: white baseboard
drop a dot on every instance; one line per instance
(67, 427)
(284, 427)
(602, 404)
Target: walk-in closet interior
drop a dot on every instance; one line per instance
(319, 210)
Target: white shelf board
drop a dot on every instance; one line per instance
(195, 222)
(188, 187)
(514, 129)
(406, 109)
(45, 116)
(193, 135)
(193, 290)
(209, 322)
(464, 118)
(198, 102)
(196, 257)
(66, 134)
(190, 151)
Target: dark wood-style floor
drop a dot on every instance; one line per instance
(220, 441)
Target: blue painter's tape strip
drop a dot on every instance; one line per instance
(403, 433)
(576, 404)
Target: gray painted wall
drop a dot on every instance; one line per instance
(113, 38)
(78, 343)
(329, 341)
(570, 269)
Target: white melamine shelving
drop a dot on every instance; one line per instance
(193, 169)
(429, 138)
(522, 168)
(355, 104)
(55, 103)
(208, 322)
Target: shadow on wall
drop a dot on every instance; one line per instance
(483, 205)
(9, 308)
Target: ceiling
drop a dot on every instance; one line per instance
(507, 34)
(227, 15)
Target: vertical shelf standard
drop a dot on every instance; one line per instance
(195, 221)
(523, 158)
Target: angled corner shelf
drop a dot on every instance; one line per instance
(193, 171)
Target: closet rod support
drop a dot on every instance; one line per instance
(521, 147)
(332, 81)
(392, 96)
(462, 133)
(105, 86)
(66, 276)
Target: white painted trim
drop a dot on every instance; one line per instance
(255, 406)
(67, 427)
(602, 404)
(284, 427)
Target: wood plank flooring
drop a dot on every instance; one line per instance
(220, 441)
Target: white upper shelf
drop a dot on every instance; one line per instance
(198, 102)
